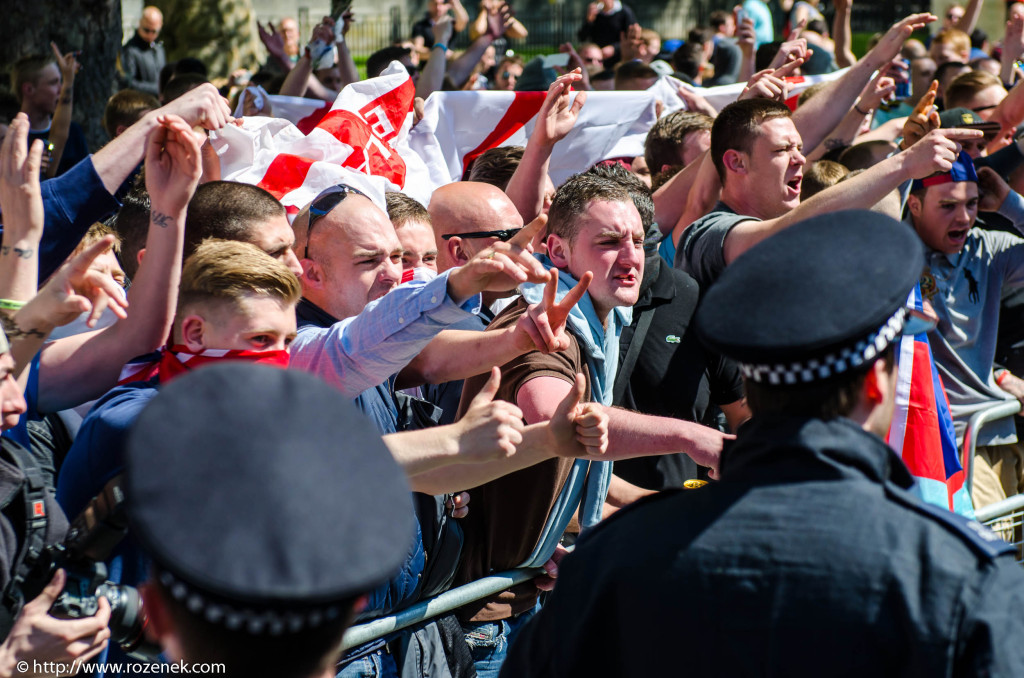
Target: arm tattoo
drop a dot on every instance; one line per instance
(160, 219)
(19, 252)
(14, 332)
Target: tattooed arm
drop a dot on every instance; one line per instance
(76, 369)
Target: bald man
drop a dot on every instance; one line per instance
(467, 217)
(357, 327)
(143, 57)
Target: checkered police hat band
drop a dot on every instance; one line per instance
(242, 618)
(864, 351)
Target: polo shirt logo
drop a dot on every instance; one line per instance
(672, 339)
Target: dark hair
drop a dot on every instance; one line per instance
(637, 189)
(291, 655)
(379, 60)
(665, 140)
(495, 166)
(132, 226)
(700, 35)
(817, 26)
(227, 210)
(862, 155)
(828, 399)
(764, 55)
(573, 197)
(688, 58)
(632, 70)
(402, 209)
(978, 38)
(125, 108)
(738, 125)
(180, 84)
(719, 18)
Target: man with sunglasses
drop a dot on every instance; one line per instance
(358, 328)
(142, 56)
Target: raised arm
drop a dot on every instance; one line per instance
(432, 77)
(554, 121)
(822, 113)
(76, 369)
(842, 34)
(458, 354)
(969, 20)
(60, 127)
(936, 152)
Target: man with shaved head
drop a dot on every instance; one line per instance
(468, 217)
(143, 57)
(363, 332)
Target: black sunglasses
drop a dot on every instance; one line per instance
(503, 235)
(322, 206)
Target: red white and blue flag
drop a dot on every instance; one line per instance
(922, 427)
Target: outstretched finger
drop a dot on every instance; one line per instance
(795, 33)
(924, 106)
(787, 69)
(577, 292)
(527, 233)
(551, 290)
(961, 134)
(489, 390)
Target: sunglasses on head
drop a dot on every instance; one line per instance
(322, 206)
(503, 235)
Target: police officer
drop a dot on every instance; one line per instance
(810, 557)
(268, 505)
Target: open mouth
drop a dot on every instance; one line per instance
(958, 235)
(794, 184)
(628, 279)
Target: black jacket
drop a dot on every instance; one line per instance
(810, 558)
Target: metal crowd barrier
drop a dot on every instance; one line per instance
(977, 421)
(1006, 517)
(438, 605)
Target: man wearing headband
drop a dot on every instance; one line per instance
(966, 271)
(811, 556)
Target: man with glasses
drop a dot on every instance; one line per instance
(143, 57)
(358, 328)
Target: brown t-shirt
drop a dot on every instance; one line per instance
(506, 515)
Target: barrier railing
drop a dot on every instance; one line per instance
(975, 424)
(438, 605)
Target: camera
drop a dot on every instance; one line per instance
(89, 542)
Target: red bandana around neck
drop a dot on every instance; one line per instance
(176, 360)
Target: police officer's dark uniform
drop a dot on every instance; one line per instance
(266, 501)
(810, 557)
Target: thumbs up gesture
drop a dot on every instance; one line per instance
(490, 429)
(578, 429)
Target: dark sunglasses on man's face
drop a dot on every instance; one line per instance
(323, 205)
(503, 235)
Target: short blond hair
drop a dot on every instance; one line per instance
(230, 271)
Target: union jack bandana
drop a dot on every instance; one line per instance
(173, 361)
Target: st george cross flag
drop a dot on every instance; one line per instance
(367, 137)
(922, 427)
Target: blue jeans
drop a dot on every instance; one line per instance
(378, 664)
(489, 641)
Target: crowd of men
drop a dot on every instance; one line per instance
(684, 362)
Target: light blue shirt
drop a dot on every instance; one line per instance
(363, 351)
